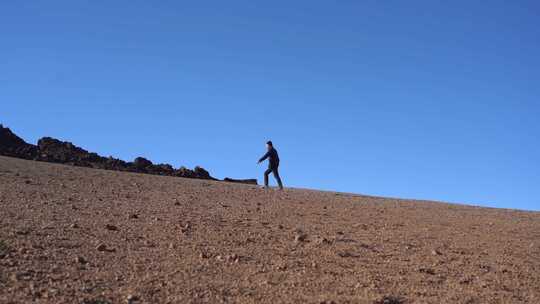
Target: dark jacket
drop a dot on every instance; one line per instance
(273, 158)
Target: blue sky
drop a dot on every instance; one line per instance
(416, 99)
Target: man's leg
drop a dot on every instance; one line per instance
(266, 176)
(276, 175)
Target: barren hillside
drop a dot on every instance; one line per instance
(80, 235)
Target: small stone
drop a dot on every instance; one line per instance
(111, 227)
(203, 255)
(300, 237)
(22, 232)
(131, 299)
(22, 276)
(101, 247)
(133, 216)
(390, 300)
(435, 252)
(81, 260)
(322, 241)
(74, 226)
(426, 270)
(233, 258)
(347, 254)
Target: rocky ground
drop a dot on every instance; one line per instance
(80, 235)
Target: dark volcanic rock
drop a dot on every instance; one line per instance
(166, 168)
(201, 173)
(198, 172)
(184, 172)
(142, 163)
(53, 150)
(251, 181)
(161, 169)
(13, 145)
(112, 163)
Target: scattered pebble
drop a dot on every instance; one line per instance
(185, 229)
(347, 254)
(322, 241)
(131, 299)
(390, 300)
(22, 232)
(81, 260)
(300, 237)
(111, 227)
(231, 258)
(22, 276)
(426, 270)
(101, 247)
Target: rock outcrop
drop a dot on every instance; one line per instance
(53, 150)
(13, 145)
(56, 151)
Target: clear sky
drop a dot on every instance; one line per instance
(415, 99)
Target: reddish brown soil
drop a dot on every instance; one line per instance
(174, 240)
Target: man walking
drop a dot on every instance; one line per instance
(273, 164)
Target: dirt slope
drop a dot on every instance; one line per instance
(78, 235)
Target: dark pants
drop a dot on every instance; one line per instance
(276, 175)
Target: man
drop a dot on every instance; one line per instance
(273, 164)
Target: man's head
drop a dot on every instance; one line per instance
(269, 145)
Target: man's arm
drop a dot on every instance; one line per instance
(265, 156)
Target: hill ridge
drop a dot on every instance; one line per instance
(49, 149)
